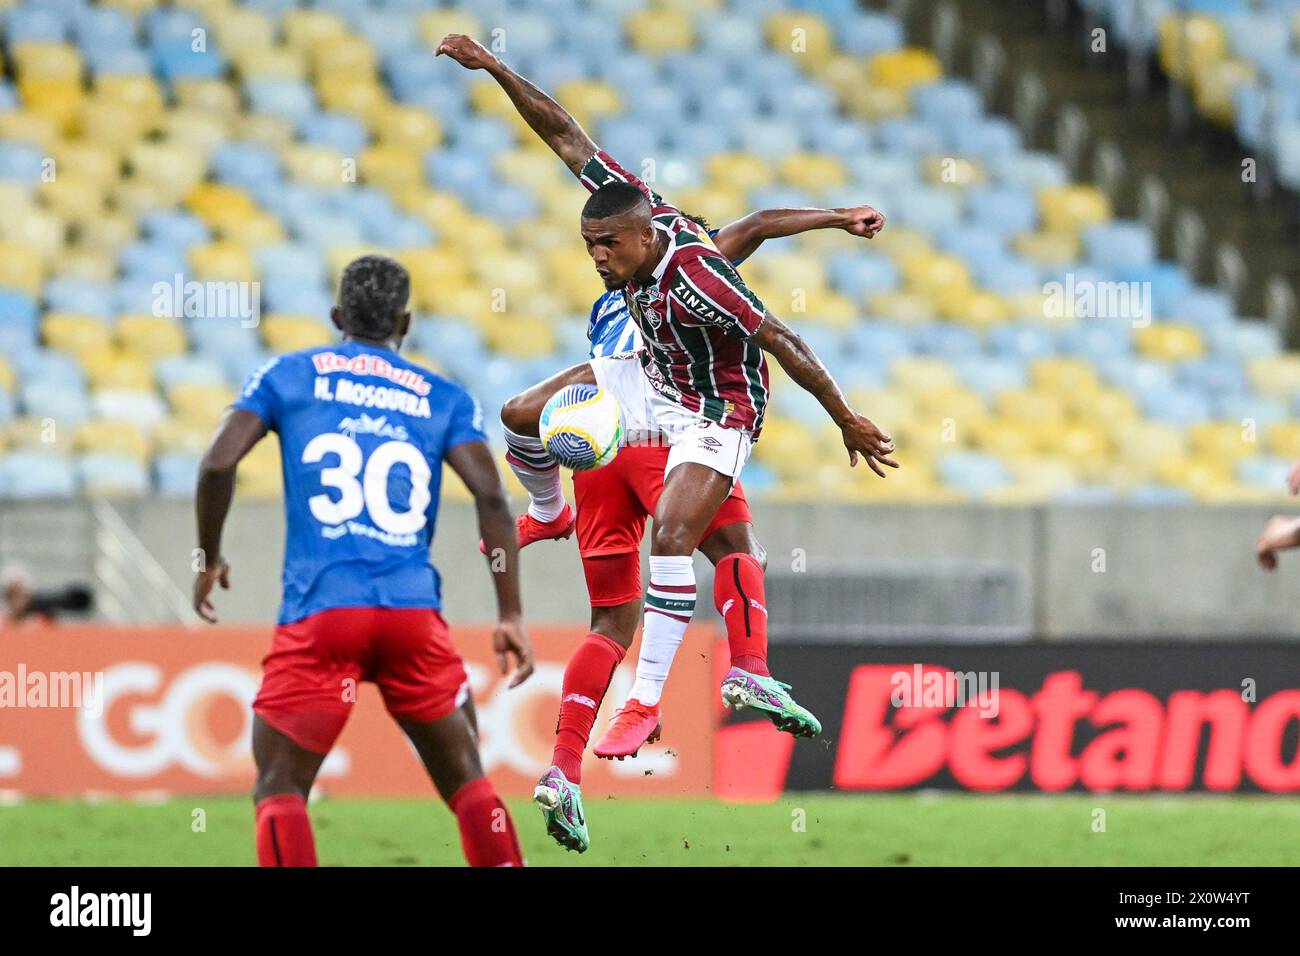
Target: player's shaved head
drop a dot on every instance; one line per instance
(620, 236)
(615, 199)
(372, 298)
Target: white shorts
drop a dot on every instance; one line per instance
(651, 417)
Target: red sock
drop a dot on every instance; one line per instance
(487, 833)
(284, 832)
(586, 679)
(740, 598)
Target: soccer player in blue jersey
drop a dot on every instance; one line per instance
(363, 436)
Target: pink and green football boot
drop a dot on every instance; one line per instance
(561, 805)
(741, 689)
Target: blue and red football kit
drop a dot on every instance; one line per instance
(363, 434)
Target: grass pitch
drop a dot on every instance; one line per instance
(816, 829)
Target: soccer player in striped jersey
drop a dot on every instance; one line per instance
(702, 385)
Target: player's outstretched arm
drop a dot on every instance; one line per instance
(236, 435)
(861, 436)
(548, 119)
(740, 239)
(473, 462)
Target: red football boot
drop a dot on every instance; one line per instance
(634, 725)
(529, 529)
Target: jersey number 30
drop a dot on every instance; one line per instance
(371, 492)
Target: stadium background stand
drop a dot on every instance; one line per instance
(272, 141)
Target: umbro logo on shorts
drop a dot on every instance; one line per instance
(709, 443)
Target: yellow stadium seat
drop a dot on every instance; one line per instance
(40, 60)
(1064, 377)
(259, 474)
(1087, 445)
(272, 131)
(20, 268)
(108, 232)
(436, 24)
(93, 265)
(37, 432)
(131, 6)
(1048, 248)
(60, 100)
(119, 438)
(281, 63)
(141, 93)
(222, 261)
(1143, 445)
(812, 171)
(30, 127)
(255, 230)
(115, 125)
(244, 29)
(1215, 87)
(150, 336)
(319, 165)
(1188, 44)
(362, 99)
(974, 308)
(179, 435)
(177, 167)
(209, 201)
(787, 446)
(1225, 440)
(199, 406)
(288, 333)
(1278, 376)
(304, 28)
(520, 336)
(1030, 406)
(905, 68)
(8, 380)
(800, 34)
(875, 103)
(391, 168)
(440, 209)
(739, 170)
(215, 96)
(899, 243)
(407, 127)
(1284, 439)
(39, 230)
(589, 100)
(87, 160)
(1170, 342)
(930, 274)
(656, 32)
(529, 169)
(1070, 208)
(343, 56)
(74, 197)
(922, 374)
(115, 369)
(721, 205)
(903, 307)
(958, 172)
(73, 333)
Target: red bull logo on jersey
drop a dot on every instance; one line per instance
(376, 365)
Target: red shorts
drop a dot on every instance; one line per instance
(310, 678)
(613, 504)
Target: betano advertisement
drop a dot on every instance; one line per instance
(172, 714)
(1139, 717)
(87, 710)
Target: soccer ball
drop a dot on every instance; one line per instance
(580, 427)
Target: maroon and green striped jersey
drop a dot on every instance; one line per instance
(697, 317)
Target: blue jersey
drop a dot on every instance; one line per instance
(363, 434)
(610, 328)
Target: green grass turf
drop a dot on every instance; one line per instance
(909, 829)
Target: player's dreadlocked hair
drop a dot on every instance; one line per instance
(699, 221)
(372, 296)
(613, 199)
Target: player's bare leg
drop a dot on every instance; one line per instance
(548, 514)
(449, 751)
(285, 773)
(586, 679)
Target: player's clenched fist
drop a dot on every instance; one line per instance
(510, 639)
(863, 221)
(466, 51)
(862, 437)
